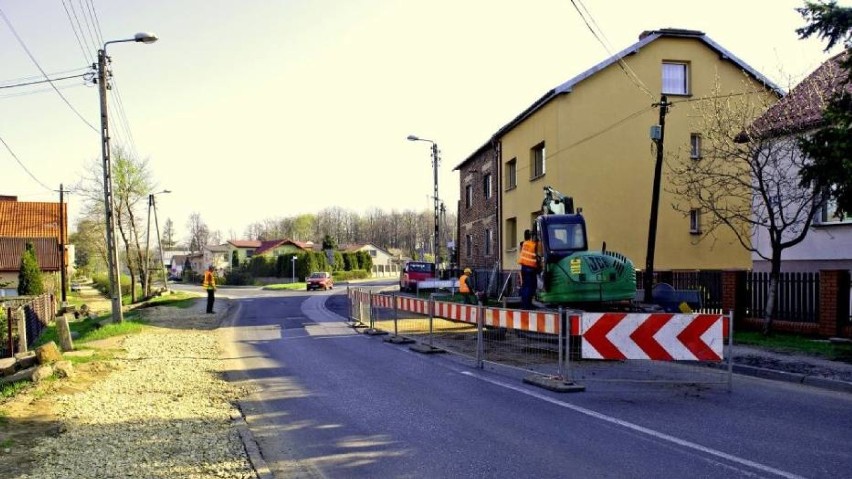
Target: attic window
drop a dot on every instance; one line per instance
(675, 78)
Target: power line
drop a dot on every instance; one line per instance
(42, 90)
(86, 52)
(27, 50)
(43, 81)
(34, 77)
(22, 164)
(96, 22)
(621, 63)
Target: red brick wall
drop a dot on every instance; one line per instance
(483, 213)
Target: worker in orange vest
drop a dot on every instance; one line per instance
(209, 284)
(466, 287)
(529, 268)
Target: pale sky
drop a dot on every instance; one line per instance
(256, 109)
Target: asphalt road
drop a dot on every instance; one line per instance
(330, 402)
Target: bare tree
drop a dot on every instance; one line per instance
(199, 233)
(744, 180)
(133, 184)
(168, 233)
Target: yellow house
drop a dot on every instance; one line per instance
(589, 138)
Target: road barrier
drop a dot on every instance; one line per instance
(563, 347)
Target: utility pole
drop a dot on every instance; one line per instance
(160, 247)
(63, 260)
(109, 211)
(437, 240)
(658, 135)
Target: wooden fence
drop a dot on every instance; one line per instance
(38, 312)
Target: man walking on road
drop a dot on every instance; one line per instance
(210, 285)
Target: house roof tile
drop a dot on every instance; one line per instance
(25, 219)
(47, 253)
(803, 107)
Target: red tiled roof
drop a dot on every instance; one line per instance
(24, 219)
(47, 253)
(802, 108)
(269, 245)
(245, 243)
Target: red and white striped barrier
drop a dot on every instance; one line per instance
(662, 337)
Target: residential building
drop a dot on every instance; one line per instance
(384, 262)
(42, 223)
(247, 249)
(589, 139)
(828, 243)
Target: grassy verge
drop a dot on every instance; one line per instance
(792, 343)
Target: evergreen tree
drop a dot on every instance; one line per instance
(30, 281)
(830, 148)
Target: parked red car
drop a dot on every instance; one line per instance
(320, 280)
(414, 272)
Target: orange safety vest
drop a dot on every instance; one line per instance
(527, 256)
(209, 280)
(463, 287)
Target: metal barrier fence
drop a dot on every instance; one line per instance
(37, 313)
(597, 347)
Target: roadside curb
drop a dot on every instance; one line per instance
(255, 458)
(808, 380)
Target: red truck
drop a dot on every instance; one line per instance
(414, 272)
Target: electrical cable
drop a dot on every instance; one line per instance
(29, 54)
(85, 51)
(43, 81)
(22, 164)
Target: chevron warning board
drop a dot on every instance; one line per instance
(662, 337)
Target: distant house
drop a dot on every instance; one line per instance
(384, 263)
(828, 244)
(42, 223)
(247, 249)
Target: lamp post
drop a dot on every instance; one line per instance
(109, 212)
(152, 204)
(435, 160)
(293, 268)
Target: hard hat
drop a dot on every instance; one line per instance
(468, 271)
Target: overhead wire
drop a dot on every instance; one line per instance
(87, 52)
(22, 164)
(36, 82)
(634, 78)
(33, 77)
(32, 58)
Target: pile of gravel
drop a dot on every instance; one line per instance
(165, 414)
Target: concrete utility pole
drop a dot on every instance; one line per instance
(648, 277)
(436, 159)
(63, 259)
(109, 208)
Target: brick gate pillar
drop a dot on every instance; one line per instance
(833, 301)
(734, 297)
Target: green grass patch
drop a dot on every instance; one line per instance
(282, 286)
(90, 329)
(793, 343)
(11, 389)
(6, 443)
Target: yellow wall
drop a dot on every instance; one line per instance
(607, 165)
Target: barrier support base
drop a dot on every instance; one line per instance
(398, 340)
(426, 349)
(374, 332)
(555, 384)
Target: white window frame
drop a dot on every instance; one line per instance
(489, 241)
(538, 161)
(468, 243)
(468, 196)
(675, 78)
(486, 186)
(695, 146)
(695, 221)
(512, 173)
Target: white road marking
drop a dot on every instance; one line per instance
(641, 429)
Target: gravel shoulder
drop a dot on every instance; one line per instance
(158, 408)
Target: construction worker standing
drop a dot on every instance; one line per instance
(209, 284)
(529, 268)
(466, 287)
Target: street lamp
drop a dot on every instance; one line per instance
(293, 268)
(109, 213)
(435, 160)
(152, 204)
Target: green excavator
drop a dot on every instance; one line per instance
(571, 275)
